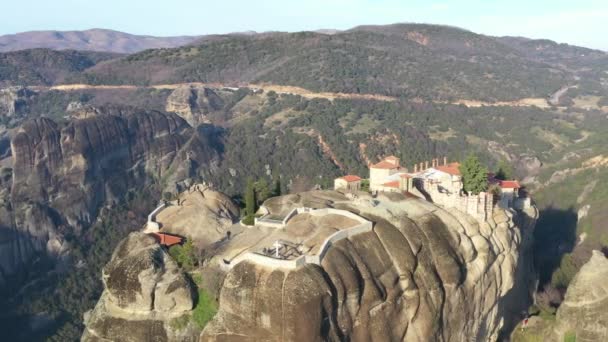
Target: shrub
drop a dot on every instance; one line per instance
(248, 220)
(185, 255)
(179, 323)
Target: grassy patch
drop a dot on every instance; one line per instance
(570, 336)
(204, 310)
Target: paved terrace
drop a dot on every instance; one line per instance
(304, 237)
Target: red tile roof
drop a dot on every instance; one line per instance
(406, 175)
(509, 184)
(384, 165)
(451, 168)
(166, 239)
(393, 184)
(351, 178)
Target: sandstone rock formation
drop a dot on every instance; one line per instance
(12, 98)
(422, 274)
(204, 215)
(62, 175)
(144, 290)
(583, 312)
(193, 103)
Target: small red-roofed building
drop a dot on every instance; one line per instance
(167, 239)
(348, 183)
(509, 192)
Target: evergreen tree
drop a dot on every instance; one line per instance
(505, 170)
(262, 191)
(250, 198)
(276, 191)
(474, 175)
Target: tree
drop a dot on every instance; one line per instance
(185, 255)
(250, 198)
(504, 171)
(262, 191)
(474, 175)
(276, 191)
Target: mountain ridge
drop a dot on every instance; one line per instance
(95, 39)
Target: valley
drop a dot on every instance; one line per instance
(91, 141)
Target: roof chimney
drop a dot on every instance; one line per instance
(426, 164)
(445, 160)
(415, 167)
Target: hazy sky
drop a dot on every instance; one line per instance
(579, 22)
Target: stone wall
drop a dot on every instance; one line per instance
(479, 206)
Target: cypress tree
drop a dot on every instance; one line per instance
(250, 198)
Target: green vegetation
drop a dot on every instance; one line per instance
(250, 203)
(563, 275)
(474, 175)
(180, 323)
(365, 185)
(185, 255)
(204, 310)
(66, 296)
(570, 336)
(504, 170)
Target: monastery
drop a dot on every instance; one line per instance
(437, 182)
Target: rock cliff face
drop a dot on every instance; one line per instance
(193, 103)
(422, 274)
(11, 99)
(583, 312)
(63, 175)
(144, 289)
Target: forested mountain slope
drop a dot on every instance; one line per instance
(432, 62)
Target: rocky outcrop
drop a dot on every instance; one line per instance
(422, 274)
(193, 103)
(64, 174)
(203, 215)
(12, 99)
(144, 290)
(583, 312)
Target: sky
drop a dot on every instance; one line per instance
(577, 22)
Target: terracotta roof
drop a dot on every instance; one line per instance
(351, 178)
(384, 165)
(393, 184)
(391, 158)
(451, 168)
(509, 184)
(406, 175)
(166, 239)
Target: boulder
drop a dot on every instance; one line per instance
(583, 312)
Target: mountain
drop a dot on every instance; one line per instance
(403, 60)
(89, 40)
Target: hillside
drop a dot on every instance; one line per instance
(44, 66)
(407, 60)
(89, 40)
